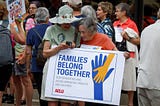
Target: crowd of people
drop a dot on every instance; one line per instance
(72, 21)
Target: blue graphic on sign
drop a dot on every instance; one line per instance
(100, 72)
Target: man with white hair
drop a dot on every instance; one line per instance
(149, 69)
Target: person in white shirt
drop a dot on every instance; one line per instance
(148, 81)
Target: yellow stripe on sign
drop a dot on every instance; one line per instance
(103, 70)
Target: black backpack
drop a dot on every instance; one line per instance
(6, 50)
(39, 58)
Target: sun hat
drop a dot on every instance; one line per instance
(75, 3)
(65, 15)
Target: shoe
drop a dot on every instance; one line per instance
(10, 99)
(23, 102)
(4, 98)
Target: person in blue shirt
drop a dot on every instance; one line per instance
(104, 12)
(33, 40)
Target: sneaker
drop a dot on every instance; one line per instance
(4, 98)
(10, 99)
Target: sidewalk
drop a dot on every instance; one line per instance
(35, 100)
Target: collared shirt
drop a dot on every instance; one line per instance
(128, 24)
(108, 27)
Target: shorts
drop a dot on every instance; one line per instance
(5, 74)
(20, 69)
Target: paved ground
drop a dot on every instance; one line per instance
(123, 101)
(35, 100)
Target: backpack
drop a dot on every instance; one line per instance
(6, 50)
(39, 58)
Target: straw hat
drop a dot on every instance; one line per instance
(65, 15)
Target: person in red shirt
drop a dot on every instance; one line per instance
(90, 36)
(130, 37)
(91, 39)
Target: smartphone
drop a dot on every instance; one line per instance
(69, 43)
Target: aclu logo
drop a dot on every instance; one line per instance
(59, 90)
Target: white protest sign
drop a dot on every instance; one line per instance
(86, 75)
(16, 9)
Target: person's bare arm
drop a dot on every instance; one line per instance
(48, 51)
(19, 36)
(135, 41)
